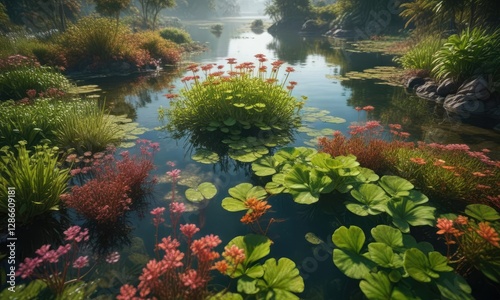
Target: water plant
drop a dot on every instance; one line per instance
(395, 265)
(20, 74)
(37, 179)
(247, 96)
(472, 52)
(421, 56)
(472, 241)
(55, 267)
(114, 185)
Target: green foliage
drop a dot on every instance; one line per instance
(37, 179)
(176, 35)
(94, 40)
(243, 101)
(158, 48)
(421, 55)
(395, 266)
(472, 52)
(86, 128)
(204, 191)
(241, 193)
(257, 24)
(111, 7)
(37, 289)
(270, 280)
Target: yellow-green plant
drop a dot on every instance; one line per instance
(176, 35)
(35, 178)
(247, 96)
(421, 55)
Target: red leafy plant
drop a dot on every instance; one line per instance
(115, 183)
(175, 274)
(56, 267)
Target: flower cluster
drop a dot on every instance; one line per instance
(470, 243)
(53, 266)
(176, 274)
(256, 209)
(17, 61)
(114, 184)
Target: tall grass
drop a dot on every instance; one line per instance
(86, 128)
(472, 52)
(36, 178)
(421, 55)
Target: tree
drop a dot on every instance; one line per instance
(286, 10)
(151, 8)
(111, 7)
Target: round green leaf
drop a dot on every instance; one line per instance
(482, 212)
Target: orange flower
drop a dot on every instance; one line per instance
(488, 233)
(448, 167)
(418, 160)
(478, 174)
(462, 220)
(439, 162)
(445, 226)
(221, 266)
(256, 208)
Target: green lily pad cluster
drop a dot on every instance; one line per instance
(273, 279)
(129, 130)
(395, 266)
(313, 114)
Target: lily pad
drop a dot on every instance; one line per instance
(281, 280)
(205, 156)
(241, 193)
(204, 191)
(313, 239)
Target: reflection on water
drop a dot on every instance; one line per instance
(315, 61)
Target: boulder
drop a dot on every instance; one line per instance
(477, 87)
(415, 82)
(448, 86)
(464, 105)
(426, 88)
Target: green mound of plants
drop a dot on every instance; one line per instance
(247, 97)
(35, 177)
(176, 35)
(421, 55)
(20, 74)
(472, 52)
(77, 123)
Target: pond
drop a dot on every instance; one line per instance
(318, 63)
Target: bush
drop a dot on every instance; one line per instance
(86, 128)
(94, 41)
(421, 56)
(20, 74)
(78, 123)
(158, 48)
(37, 180)
(470, 53)
(240, 101)
(176, 35)
(258, 23)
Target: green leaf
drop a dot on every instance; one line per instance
(255, 247)
(305, 185)
(388, 235)
(383, 255)
(229, 121)
(482, 212)
(417, 197)
(417, 265)
(372, 200)
(276, 186)
(226, 296)
(205, 156)
(240, 194)
(351, 238)
(281, 280)
(353, 265)
(395, 185)
(247, 285)
(405, 213)
(453, 287)
(376, 286)
(205, 190)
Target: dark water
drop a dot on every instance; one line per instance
(316, 61)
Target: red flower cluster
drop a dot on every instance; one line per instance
(256, 209)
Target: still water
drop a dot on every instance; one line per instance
(317, 61)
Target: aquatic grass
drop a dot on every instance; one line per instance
(37, 179)
(472, 52)
(421, 56)
(86, 128)
(247, 96)
(20, 74)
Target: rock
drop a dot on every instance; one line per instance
(426, 88)
(342, 33)
(415, 82)
(464, 105)
(478, 87)
(447, 87)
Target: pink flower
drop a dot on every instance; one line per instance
(27, 267)
(31, 93)
(127, 292)
(157, 215)
(82, 236)
(191, 279)
(62, 250)
(368, 108)
(81, 262)
(113, 257)
(171, 164)
(168, 244)
(174, 174)
(289, 69)
(189, 230)
(177, 207)
(358, 108)
(43, 250)
(72, 232)
(236, 254)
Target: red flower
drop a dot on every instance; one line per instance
(368, 108)
(189, 230)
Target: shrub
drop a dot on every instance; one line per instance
(20, 74)
(36, 178)
(258, 23)
(94, 41)
(421, 55)
(158, 48)
(176, 35)
(115, 184)
(86, 128)
(470, 53)
(242, 100)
